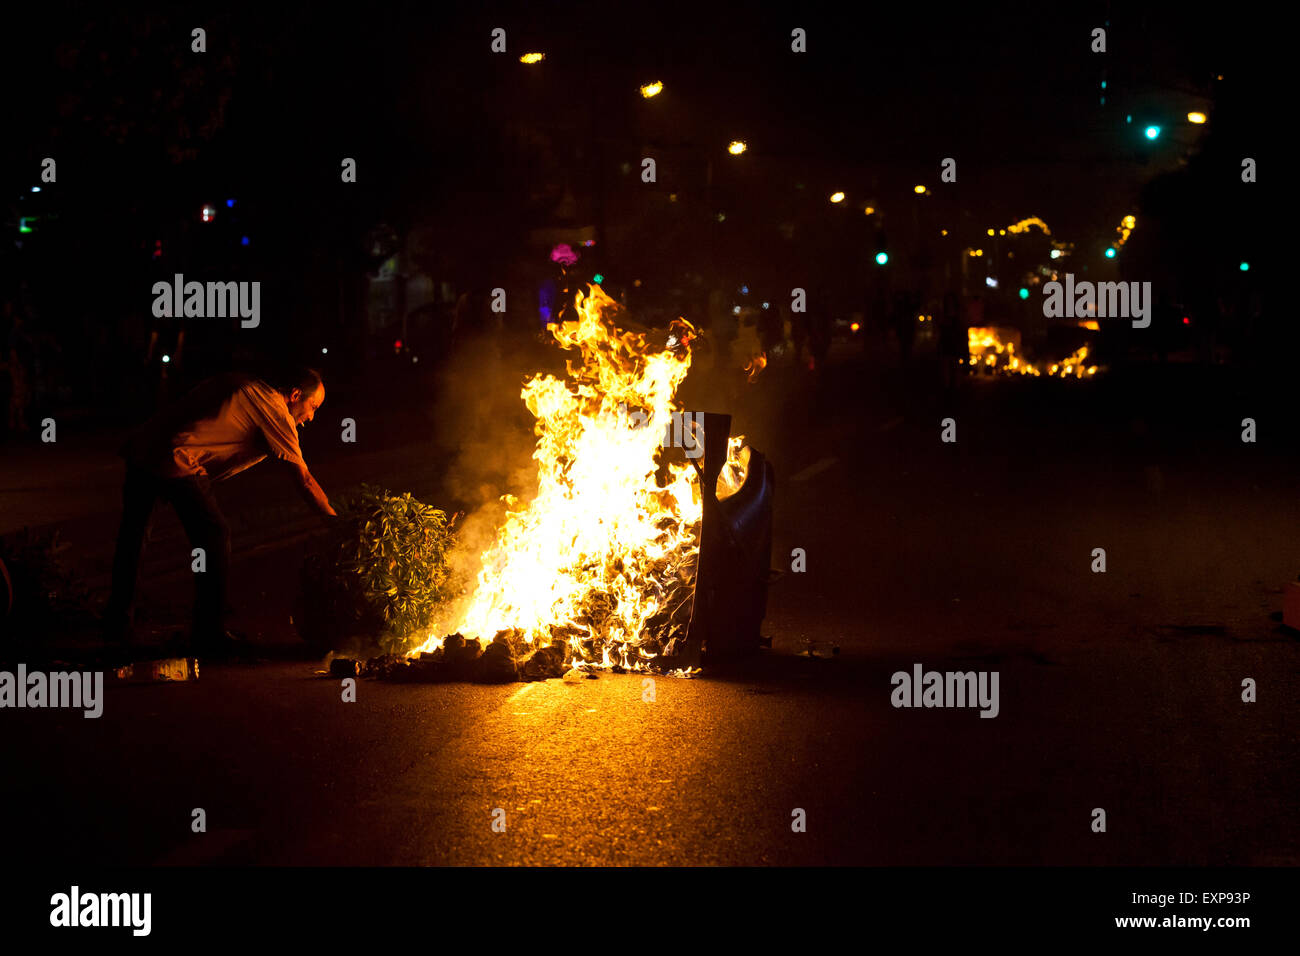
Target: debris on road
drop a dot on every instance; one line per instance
(497, 665)
(344, 667)
(507, 658)
(822, 650)
(546, 662)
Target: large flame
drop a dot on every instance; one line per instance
(605, 553)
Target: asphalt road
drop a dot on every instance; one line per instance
(1118, 690)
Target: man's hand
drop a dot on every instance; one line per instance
(313, 492)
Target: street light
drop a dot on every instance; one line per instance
(1196, 118)
(652, 89)
(532, 58)
(837, 197)
(737, 147)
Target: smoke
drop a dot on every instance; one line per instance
(483, 426)
(486, 433)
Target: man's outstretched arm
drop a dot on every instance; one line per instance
(311, 491)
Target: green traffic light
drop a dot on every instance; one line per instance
(1024, 293)
(1110, 252)
(882, 258)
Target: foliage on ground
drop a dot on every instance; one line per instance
(378, 576)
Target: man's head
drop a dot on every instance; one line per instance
(303, 392)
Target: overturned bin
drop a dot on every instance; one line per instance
(730, 599)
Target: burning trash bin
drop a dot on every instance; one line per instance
(629, 554)
(731, 579)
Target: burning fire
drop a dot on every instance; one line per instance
(604, 555)
(996, 348)
(756, 365)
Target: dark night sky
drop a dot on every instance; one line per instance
(883, 94)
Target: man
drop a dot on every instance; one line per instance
(226, 425)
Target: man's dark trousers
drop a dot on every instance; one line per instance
(207, 529)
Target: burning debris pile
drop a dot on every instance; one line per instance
(599, 567)
(506, 658)
(998, 349)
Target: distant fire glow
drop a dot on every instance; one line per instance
(998, 350)
(1024, 224)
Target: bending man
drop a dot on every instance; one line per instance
(226, 425)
